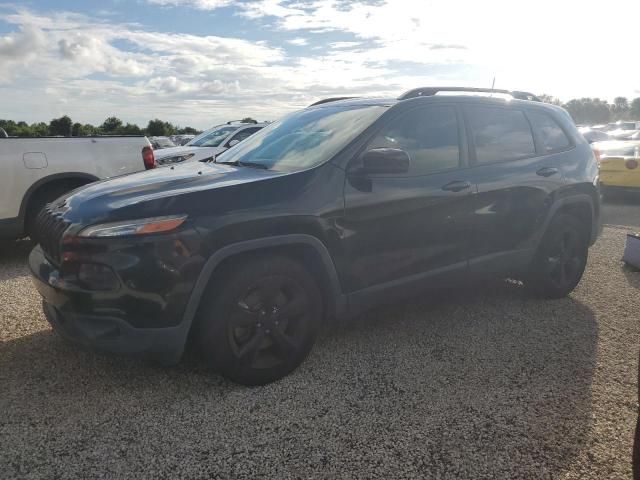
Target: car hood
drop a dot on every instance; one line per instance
(203, 152)
(156, 192)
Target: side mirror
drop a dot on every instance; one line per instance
(385, 161)
(233, 143)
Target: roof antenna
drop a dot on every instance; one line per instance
(493, 84)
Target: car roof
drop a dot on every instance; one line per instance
(444, 98)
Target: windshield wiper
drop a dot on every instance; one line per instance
(252, 165)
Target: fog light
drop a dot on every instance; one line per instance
(97, 277)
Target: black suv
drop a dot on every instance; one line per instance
(320, 215)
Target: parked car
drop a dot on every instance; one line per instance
(160, 143)
(180, 140)
(206, 146)
(619, 165)
(36, 171)
(330, 211)
(592, 135)
(624, 130)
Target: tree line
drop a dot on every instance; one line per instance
(65, 127)
(583, 110)
(594, 111)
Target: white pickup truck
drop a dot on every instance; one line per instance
(36, 171)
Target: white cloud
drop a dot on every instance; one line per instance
(65, 63)
(299, 41)
(199, 4)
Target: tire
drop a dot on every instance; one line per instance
(259, 319)
(561, 258)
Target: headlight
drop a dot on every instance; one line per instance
(176, 159)
(141, 226)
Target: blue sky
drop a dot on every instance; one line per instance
(200, 62)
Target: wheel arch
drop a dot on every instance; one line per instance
(307, 249)
(580, 206)
(49, 181)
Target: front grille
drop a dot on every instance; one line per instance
(50, 226)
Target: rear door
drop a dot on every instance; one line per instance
(514, 157)
(415, 225)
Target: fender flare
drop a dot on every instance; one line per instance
(337, 301)
(49, 179)
(577, 198)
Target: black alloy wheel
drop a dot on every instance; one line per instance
(260, 320)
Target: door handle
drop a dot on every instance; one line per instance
(456, 186)
(547, 171)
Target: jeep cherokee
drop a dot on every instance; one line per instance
(325, 213)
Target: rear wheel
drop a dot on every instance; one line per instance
(259, 320)
(561, 258)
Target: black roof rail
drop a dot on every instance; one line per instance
(430, 91)
(328, 100)
(252, 121)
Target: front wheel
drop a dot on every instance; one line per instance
(260, 320)
(561, 258)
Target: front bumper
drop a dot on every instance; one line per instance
(67, 312)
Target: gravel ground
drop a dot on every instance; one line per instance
(483, 382)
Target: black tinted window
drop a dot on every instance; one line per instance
(551, 136)
(500, 134)
(242, 134)
(428, 135)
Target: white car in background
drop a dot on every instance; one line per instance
(208, 145)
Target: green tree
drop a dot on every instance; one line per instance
(39, 129)
(550, 99)
(129, 129)
(76, 130)
(60, 126)
(248, 120)
(634, 110)
(589, 110)
(158, 128)
(111, 125)
(188, 131)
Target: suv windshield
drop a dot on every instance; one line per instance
(303, 139)
(212, 138)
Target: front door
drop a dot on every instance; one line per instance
(414, 226)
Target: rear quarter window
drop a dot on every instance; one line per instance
(550, 135)
(499, 134)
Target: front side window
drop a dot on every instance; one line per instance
(246, 133)
(428, 135)
(303, 139)
(499, 134)
(552, 137)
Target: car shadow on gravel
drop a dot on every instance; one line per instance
(479, 382)
(632, 275)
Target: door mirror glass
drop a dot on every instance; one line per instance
(385, 161)
(233, 143)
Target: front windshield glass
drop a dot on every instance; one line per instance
(303, 139)
(212, 138)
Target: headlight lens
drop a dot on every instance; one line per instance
(141, 226)
(176, 159)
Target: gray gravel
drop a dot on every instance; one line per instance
(483, 382)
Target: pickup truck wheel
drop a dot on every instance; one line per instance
(561, 258)
(260, 320)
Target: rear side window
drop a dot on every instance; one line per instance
(429, 135)
(552, 137)
(499, 134)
